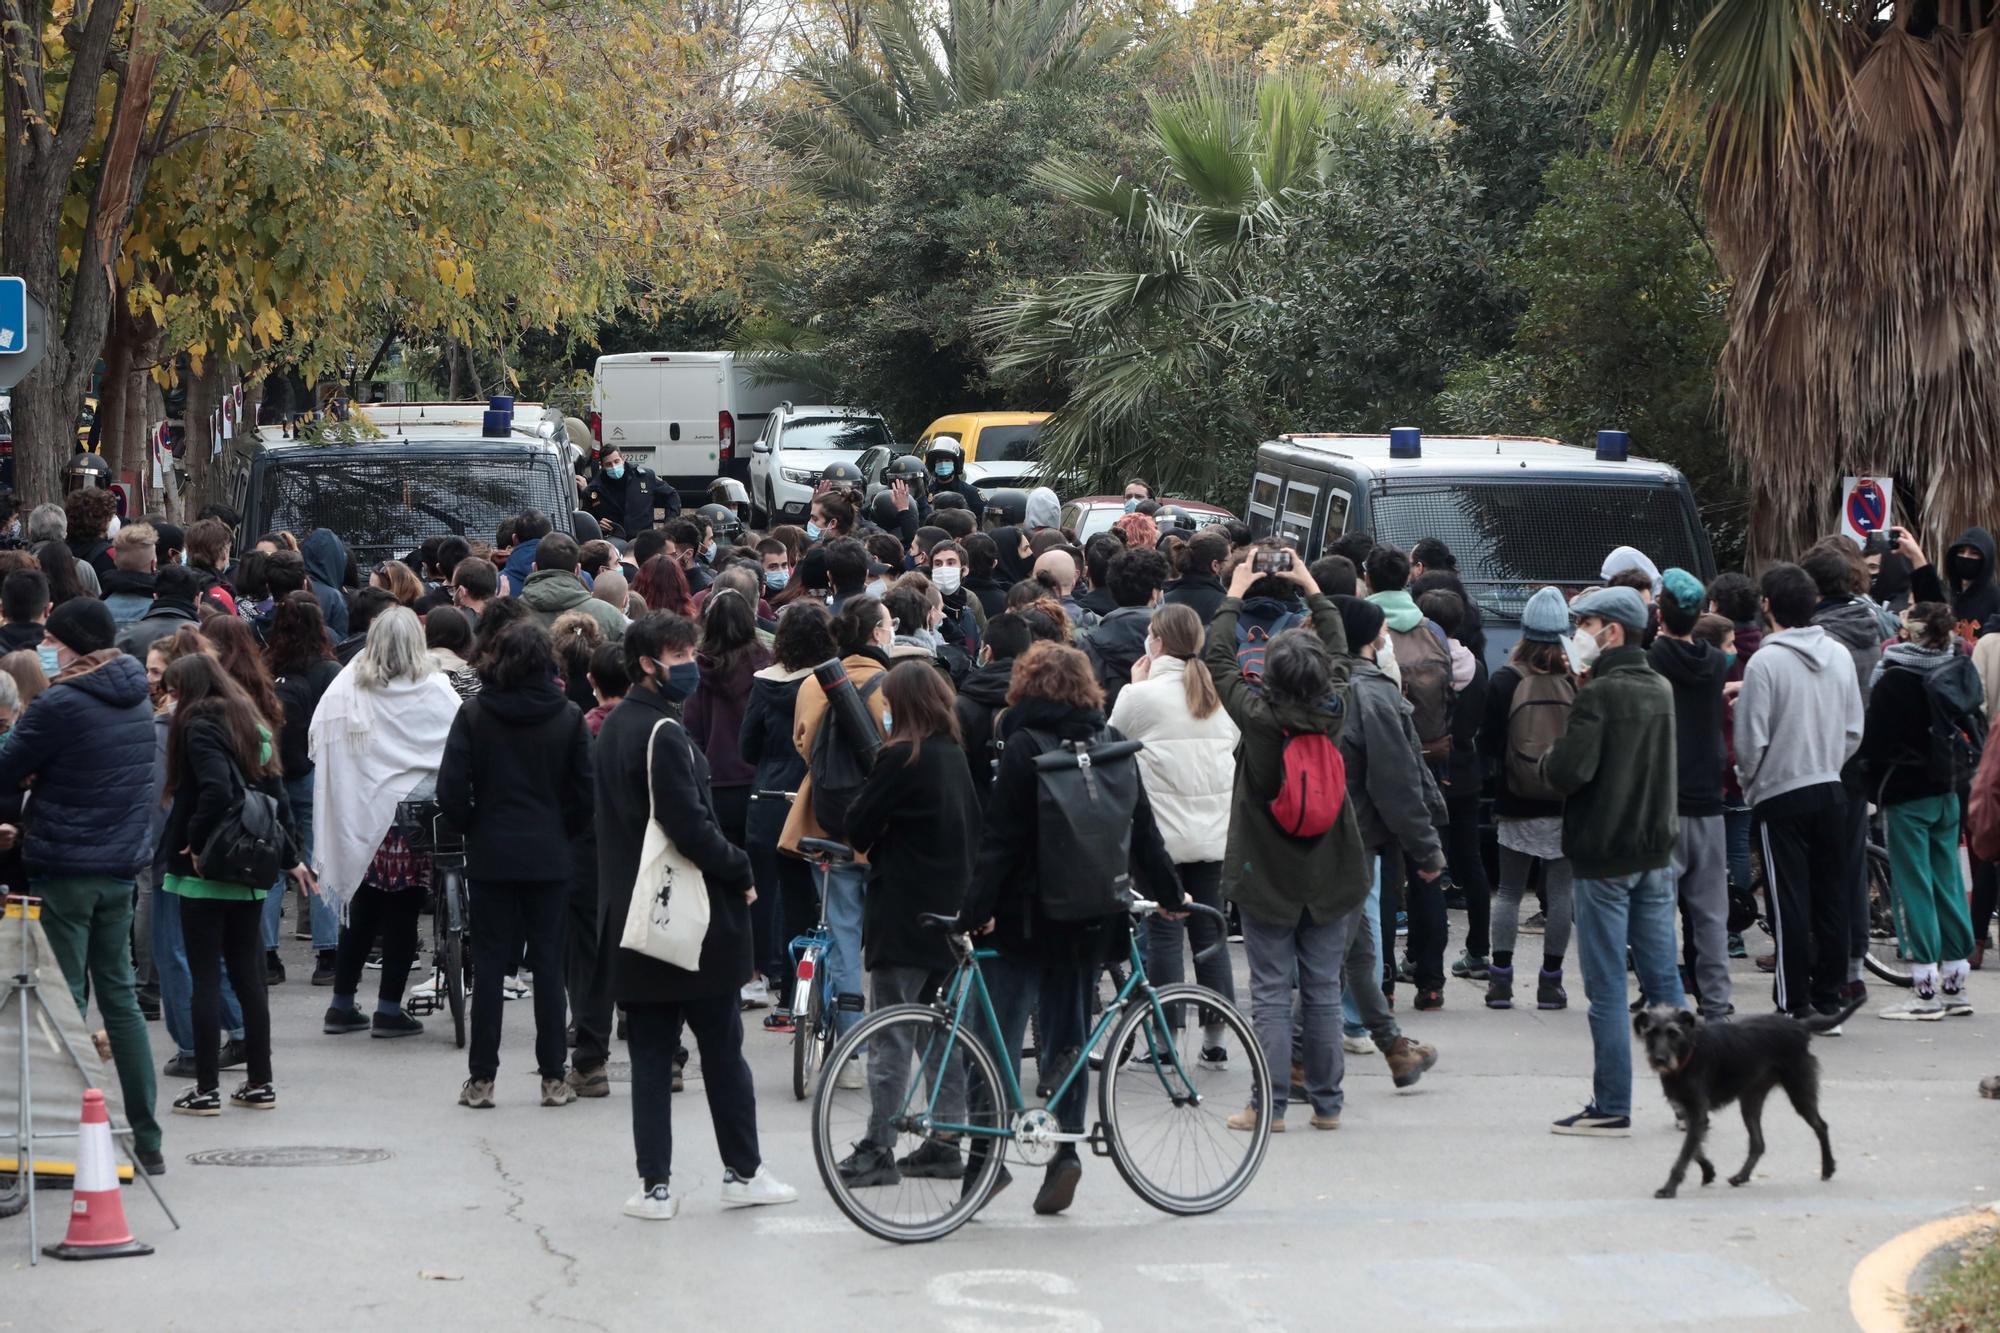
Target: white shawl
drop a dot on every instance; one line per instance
(370, 749)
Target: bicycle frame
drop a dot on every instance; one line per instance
(815, 942)
(969, 983)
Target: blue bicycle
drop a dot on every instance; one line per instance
(812, 1007)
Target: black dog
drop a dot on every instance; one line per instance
(1703, 1067)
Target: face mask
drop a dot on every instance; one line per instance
(680, 681)
(1585, 648)
(1729, 661)
(888, 721)
(776, 579)
(946, 579)
(1153, 646)
(708, 553)
(49, 663)
(812, 531)
(616, 471)
(946, 468)
(876, 587)
(1131, 505)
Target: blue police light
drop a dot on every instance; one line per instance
(498, 421)
(1406, 442)
(1612, 446)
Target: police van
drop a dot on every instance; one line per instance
(1517, 512)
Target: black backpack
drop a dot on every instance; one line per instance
(1957, 733)
(838, 768)
(248, 846)
(1086, 793)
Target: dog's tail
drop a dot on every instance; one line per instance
(1826, 1022)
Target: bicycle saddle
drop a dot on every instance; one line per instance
(825, 849)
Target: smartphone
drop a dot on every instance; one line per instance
(1879, 543)
(1271, 560)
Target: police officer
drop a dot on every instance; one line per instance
(624, 499)
(730, 494)
(944, 463)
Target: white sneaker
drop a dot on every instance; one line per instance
(1916, 1010)
(652, 1205)
(759, 1189)
(851, 1078)
(1361, 1045)
(756, 993)
(516, 989)
(428, 990)
(1955, 1004)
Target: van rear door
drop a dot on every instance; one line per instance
(662, 412)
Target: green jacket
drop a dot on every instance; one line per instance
(1615, 765)
(1266, 872)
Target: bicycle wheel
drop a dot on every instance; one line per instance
(453, 962)
(806, 1048)
(1885, 954)
(938, 1180)
(1165, 1127)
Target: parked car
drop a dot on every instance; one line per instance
(1518, 513)
(1002, 449)
(683, 414)
(1096, 513)
(797, 445)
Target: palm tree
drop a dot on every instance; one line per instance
(1240, 157)
(1852, 188)
(912, 71)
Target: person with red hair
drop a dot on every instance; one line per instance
(663, 585)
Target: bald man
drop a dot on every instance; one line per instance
(1058, 569)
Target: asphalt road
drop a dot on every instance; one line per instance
(1449, 1206)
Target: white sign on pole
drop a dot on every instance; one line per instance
(1866, 506)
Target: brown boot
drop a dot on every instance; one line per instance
(1408, 1060)
(1767, 962)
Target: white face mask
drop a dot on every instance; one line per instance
(1153, 647)
(946, 579)
(1583, 650)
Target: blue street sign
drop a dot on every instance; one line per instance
(1867, 507)
(13, 316)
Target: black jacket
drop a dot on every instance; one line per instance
(1895, 733)
(991, 592)
(166, 616)
(15, 638)
(981, 697)
(1115, 645)
(918, 823)
(1200, 592)
(1696, 671)
(206, 787)
(1005, 877)
(631, 501)
(1465, 772)
(1493, 745)
(1098, 601)
(88, 742)
(299, 692)
(1974, 597)
(686, 811)
(516, 779)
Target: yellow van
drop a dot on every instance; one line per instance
(1001, 448)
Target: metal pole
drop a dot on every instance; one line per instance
(24, 986)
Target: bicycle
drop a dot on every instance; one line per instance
(1884, 958)
(1161, 1110)
(450, 909)
(812, 1014)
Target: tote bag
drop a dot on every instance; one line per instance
(667, 919)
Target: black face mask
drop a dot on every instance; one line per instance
(1966, 565)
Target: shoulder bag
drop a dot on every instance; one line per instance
(667, 919)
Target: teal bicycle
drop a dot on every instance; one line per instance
(955, 1112)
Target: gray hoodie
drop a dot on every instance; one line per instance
(1044, 509)
(1395, 798)
(1799, 715)
(1855, 626)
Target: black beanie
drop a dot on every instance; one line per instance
(83, 625)
(1362, 620)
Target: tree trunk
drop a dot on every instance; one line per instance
(203, 392)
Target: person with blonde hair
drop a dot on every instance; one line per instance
(1189, 768)
(377, 739)
(128, 585)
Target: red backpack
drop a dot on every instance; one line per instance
(1314, 786)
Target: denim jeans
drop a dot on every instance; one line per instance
(1626, 911)
(1736, 822)
(170, 965)
(1167, 941)
(1317, 956)
(844, 886)
(1371, 925)
(88, 922)
(1061, 993)
(325, 917)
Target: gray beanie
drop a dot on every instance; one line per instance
(1546, 617)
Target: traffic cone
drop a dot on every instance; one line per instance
(97, 1227)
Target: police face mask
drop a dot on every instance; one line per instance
(616, 472)
(945, 468)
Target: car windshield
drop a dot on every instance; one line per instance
(1009, 444)
(849, 434)
(385, 508)
(1513, 537)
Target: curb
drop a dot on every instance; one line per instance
(1878, 1293)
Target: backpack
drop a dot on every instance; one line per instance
(248, 845)
(1086, 793)
(1423, 656)
(837, 768)
(1313, 788)
(1537, 716)
(1253, 639)
(1957, 734)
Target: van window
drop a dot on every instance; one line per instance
(1263, 514)
(1009, 444)
(1300, 502)
(1337, 504)
(1512, 537)
(852, 434)
(386, 507)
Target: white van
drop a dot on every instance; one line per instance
(682, 414)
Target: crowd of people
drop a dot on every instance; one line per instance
(210, 720)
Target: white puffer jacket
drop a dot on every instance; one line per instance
(1189, 764)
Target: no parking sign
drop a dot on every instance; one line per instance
(1865, 506)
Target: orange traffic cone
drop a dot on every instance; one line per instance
(97, 1227)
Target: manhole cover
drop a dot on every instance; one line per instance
(618, 1071)
(289, 1156)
